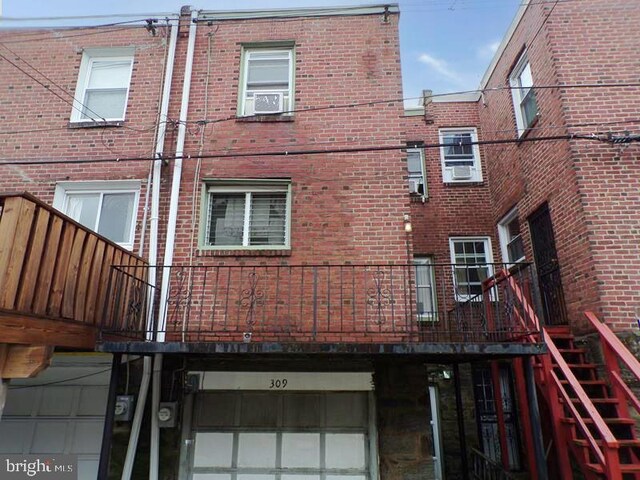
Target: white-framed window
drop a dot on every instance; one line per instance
(267, 81)
(523, 94)
(103, 85)
(106, 207)
(460, 155)
(416, 171)
(471, 258)
(511, 244)
(426, 306)
(247, 215)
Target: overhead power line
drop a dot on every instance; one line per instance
(291, 153)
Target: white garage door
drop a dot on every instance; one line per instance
(281, 436)
(59, 412)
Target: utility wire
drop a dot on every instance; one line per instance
(292, 153)
(84, 107)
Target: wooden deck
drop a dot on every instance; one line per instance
(54, 275)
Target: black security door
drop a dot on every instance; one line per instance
(547, 266)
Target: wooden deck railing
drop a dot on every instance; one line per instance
(53, 275)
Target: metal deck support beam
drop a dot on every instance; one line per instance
(460, 415)
(107, 431)
(536, 427)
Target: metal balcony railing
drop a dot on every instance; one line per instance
(320, 303)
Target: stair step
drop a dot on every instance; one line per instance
(592, 366)
(572, 350)
(623, 443)
(612, 400)
(587, 382)
(624, 468)
(609, 421)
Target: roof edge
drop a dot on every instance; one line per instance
(503, 44)
(392, 8)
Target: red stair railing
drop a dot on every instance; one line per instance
(607, 453)
(614, 352)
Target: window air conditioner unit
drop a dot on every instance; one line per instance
(461, 172)
(268, 102)
(414, 186)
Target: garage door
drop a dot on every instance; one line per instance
(280, 436)
(59, 412)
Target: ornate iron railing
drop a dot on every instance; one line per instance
(319, 303)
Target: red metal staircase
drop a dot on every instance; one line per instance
(589, 404)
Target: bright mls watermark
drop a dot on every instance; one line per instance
(49, 467)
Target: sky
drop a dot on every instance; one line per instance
(445, 45)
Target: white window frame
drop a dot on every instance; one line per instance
(504, 236)
(247, 188)
(64, 189)
(462, 297)
(476, 168)
(426, 260)
(242, 95)
(422, 178)
(90, 56)
(516, 93)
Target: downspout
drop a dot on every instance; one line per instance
(153, 253)
(154, 449)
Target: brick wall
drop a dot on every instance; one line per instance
(528, 174)
(604, 51)
(451, 209)
(346, 207)
(35, 122)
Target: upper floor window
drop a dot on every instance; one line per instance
(523, 94)
(106, 207)
(510, 239)
(247, 215)
(416, 171)
(267, 81)
(472, 261)
(460, 155)
(103, 85)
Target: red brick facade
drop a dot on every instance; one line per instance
(589, 186)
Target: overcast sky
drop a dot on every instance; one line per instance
(446, 45)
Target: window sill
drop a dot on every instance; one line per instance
(417, 198)
(466, 183)
(286, 252)
(96, 124)
(265, 118)
(528, 130)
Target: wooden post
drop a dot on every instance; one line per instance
(4, 384)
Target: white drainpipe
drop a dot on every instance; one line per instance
(154, 449)
(153, 253)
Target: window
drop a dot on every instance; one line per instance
(460, 156)
(416, 170)
(108, 208)
(103, 85)
(267, 84)
(247, 216)
(510, 239)
(425, 292)
(523, 94)
(471, 257)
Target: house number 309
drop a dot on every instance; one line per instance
(278, 383)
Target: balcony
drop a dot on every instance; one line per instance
(428, 309)
(54, 275)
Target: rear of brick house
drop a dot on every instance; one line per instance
(324, 314)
